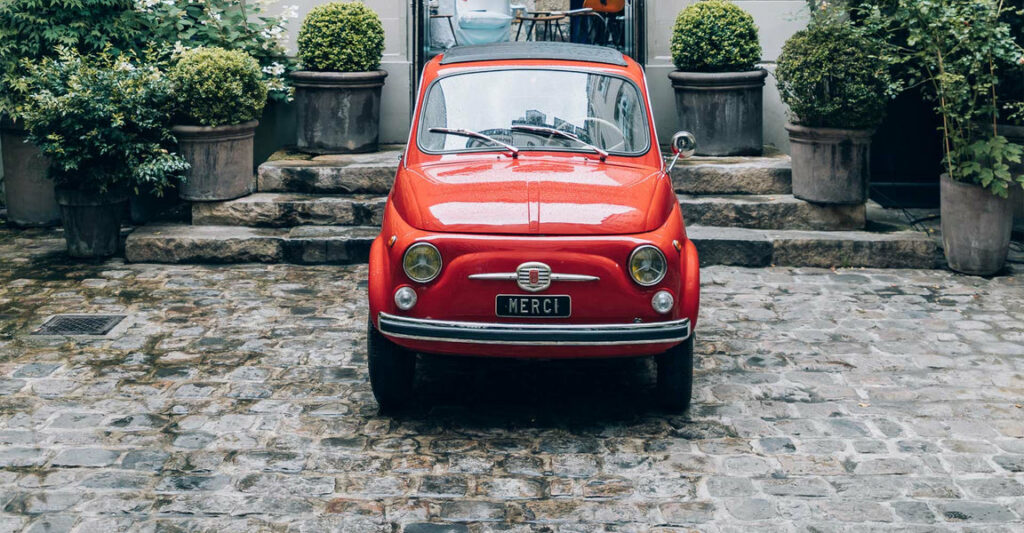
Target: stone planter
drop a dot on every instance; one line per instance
(221, 159)
(338, 112)
(830, 165)
(724, 110)
(29, 194)
(1016, 135)
(92, 222)
(976, 227)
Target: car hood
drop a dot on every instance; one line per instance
(520, 196)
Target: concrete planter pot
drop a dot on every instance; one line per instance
(338, 112)
(1016, 135)
(221, 159)
(29, 194)
(830, 165)
(92, 221)
(724, 110)
(976, 227)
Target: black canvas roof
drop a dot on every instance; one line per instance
(534, 50)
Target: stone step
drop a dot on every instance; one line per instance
(179, 243)
(778, 211)
(374, 173)
(771, 174)
(278, 210)
(175, 243)
(759, 248)
(331, 174)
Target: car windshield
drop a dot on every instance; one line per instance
(602, 110)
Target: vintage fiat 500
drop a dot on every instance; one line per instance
(532, 217)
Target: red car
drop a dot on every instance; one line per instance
(532, 216)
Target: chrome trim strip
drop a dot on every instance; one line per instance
(534, 334)
(512, 276)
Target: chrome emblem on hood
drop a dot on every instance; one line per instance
(533, 277)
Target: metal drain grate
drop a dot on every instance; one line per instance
(79, 325)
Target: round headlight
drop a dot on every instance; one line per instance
(422, 262)
(647, 265)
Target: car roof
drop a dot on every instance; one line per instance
(534, 50)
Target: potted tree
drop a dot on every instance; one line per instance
(835, 86)
(337, 92)
(102, 122)
(955, 50)
(718, 85)
(31, 30)
(218, 94)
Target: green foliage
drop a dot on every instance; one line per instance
(102, 121)
(715, 36)
(954, 47)
(341, 37)
(34, 29)
(213, 87)
(1011, 75)
(178, 25)
(831, 76)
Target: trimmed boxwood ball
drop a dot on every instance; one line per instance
(830, 77)
(715, 36)
(341, 37)
(216, 87)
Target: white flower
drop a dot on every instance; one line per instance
(290, 12)
(274, 69)
(179, 49)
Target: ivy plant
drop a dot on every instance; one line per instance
(341, 37)
(954, 48)
(102, 121)
(31, 30)
(179, 25)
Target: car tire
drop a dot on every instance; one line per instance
(675, 377)
(392, 370)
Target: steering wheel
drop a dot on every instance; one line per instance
(617, 146)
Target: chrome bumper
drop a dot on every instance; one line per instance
(533, 334)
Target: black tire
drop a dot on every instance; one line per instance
(392, 370)
(675, 377)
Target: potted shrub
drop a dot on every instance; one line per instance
(718, 86)
(835, 87)
(954, 51)
(337, 92)
(31, 30)
(102, 122)
(219, 94)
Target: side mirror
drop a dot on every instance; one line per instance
(684, 144)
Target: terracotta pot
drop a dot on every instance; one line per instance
(976, 227)
(338, 112)
(830, 166)
(724, 110)
(29, 194)
(221, 160)
(92, 221)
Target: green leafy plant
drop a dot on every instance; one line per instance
(213, 87)
(1011, 74)
(341, 37)
(31, 30)
(954, 47)
(715, 36)
(179, 25)
(831, 76)
(102, 121)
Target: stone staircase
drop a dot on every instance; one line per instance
(327, 210)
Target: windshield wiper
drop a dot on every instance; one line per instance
(477, 135)
(560, 133)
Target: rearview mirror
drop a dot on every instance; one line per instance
(684, 144)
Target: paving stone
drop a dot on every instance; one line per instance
(88, 457)
(967, 511)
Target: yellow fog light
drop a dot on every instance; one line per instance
(647, 265)
(422, 262)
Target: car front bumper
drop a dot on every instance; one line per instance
(534, 334)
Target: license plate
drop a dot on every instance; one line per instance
(515, 305)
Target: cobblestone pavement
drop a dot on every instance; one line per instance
(236, 399)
